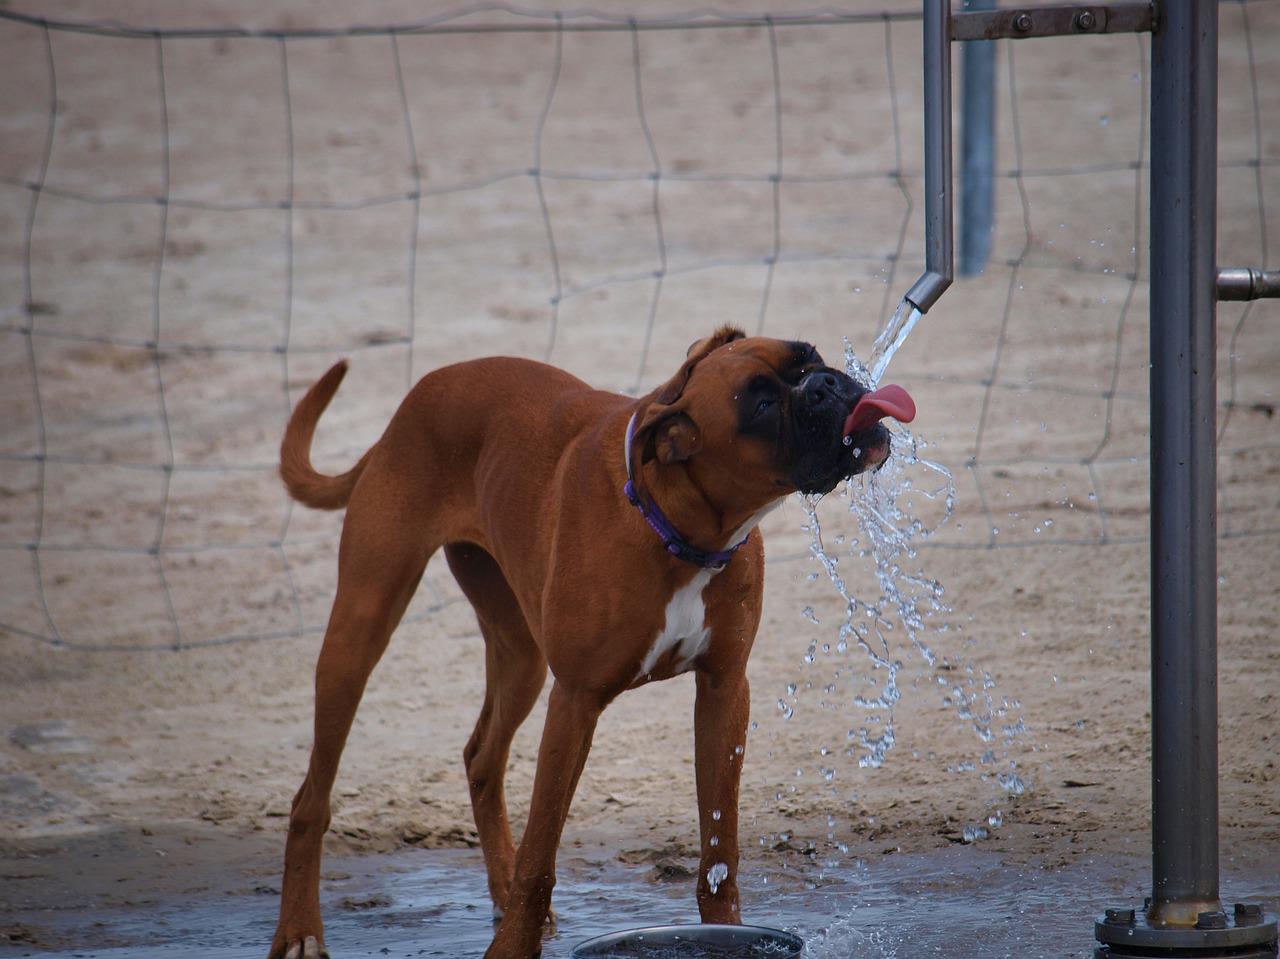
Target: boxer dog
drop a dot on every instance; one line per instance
(607, 539)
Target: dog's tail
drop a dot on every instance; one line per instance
(300, 477)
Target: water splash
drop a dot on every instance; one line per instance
(850, 936)
(909, 604)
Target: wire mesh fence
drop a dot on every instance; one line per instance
(198, 221)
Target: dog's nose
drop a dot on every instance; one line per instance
(820, 388)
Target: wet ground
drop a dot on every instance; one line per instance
(152, 896)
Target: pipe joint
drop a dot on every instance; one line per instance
(1246, 283)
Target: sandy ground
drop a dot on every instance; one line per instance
(1031, 382)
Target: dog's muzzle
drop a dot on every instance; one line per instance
(839, 423)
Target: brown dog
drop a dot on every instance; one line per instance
(594, 534)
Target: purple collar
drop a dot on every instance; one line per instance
(675, 543)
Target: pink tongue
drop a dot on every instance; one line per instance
(887, 401)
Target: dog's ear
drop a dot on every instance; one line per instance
(726, 334)
(666, 432)
(672, 439)
(698, 351)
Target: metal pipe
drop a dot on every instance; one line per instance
(1184, 681)
(939, 257)
(1245, 283)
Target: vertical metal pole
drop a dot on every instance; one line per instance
(1184, 914)
(939, 256)
(1184, 680)
(977, 149)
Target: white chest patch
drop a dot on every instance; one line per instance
(684, 628)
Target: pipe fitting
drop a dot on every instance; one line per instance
(1240, 283)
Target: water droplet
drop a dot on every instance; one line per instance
(718, 874)
(1011, 783)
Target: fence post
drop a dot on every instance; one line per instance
(977, 149)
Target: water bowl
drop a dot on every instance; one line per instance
(700, 940)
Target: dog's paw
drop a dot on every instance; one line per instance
(308, 948)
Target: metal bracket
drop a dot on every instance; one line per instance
(1245, 283)
(1053, 21)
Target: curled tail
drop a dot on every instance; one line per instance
(300, 477)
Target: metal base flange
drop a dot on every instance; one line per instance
(1247, 933)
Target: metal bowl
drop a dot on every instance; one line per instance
(693, 941)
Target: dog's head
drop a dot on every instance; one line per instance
(765, 416)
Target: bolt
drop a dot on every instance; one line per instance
(1248, 914)
(1120, 917)
(1022, 23)
(1085, 20)
(1211, 920)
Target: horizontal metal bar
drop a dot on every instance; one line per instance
(584, 21)
(1056, 21)
(1246, 283)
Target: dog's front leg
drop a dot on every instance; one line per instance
(566, 740)
(720, 713)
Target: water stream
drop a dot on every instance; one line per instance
(890, 340)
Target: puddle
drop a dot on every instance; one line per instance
(958, 903)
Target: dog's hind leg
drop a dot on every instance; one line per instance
(515, 671)
(377, 576)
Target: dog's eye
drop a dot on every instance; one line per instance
(763, 406)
